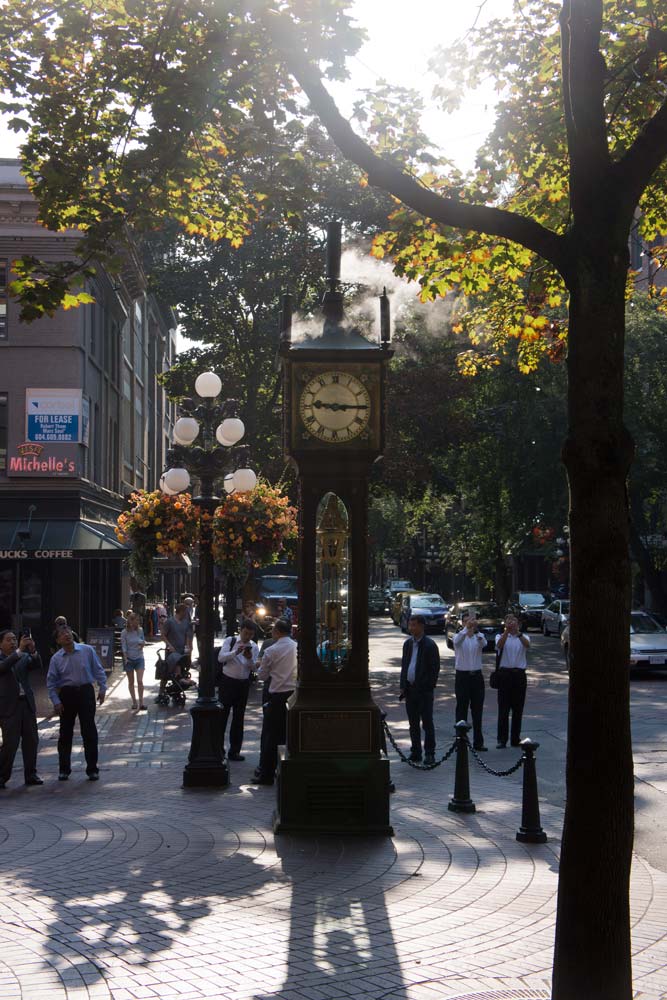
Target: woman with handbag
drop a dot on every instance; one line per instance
(511, 666)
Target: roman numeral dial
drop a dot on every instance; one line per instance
(335, 407)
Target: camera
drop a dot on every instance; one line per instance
(26, 633)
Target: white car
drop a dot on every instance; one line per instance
(555, 617)
(648, 643)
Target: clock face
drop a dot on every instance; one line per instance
(335, 407)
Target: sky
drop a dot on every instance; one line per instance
(402, 36)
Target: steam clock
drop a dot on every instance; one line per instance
(334, 776)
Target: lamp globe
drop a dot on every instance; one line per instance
(165, 489)
(232, 429)
(208, 385)
(186, 430)
(244, 480)
(177, 480)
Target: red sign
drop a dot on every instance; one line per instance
(31, 461)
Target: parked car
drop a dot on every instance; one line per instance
(431, 606)
(397, 601)
(394, 586)
(377, 602)
(272, 591)
(656, 616)
(648, 643)
(555, 617)
(490, 620)
(528, 607)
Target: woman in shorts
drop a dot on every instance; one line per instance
(132, 644)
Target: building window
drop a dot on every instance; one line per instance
(127, 427)
(4, 268)
(139, 440)
(127, 340)
(3, 430)
(138, 341)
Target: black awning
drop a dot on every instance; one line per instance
(86, 537)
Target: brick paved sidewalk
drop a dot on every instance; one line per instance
(136, 888)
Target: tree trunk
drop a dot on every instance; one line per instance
(592, 957)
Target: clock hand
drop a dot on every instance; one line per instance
(319, 405)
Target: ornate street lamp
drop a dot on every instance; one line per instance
(205, 440)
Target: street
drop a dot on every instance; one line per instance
(134, 887)
(545, 721)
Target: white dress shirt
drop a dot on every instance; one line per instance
(412, 666)
(468, 650)
(279, 663)
(513, 653)
(234, 663)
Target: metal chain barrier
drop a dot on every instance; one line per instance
(414, 763)
(490, 770)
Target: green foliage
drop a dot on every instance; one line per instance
(149, 111)
(229, 299)
(471, 464)
(646, 414)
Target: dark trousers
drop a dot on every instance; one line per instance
(19, 728)
(78, 702)
(469, 691)
(233, 696)
(274, 732)
(512, 685)
(419, 706)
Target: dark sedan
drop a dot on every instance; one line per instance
(431, 606)
(490, 620)
(528, 608)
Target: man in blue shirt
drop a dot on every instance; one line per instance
(73, 671)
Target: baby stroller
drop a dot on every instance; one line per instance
(173, 691)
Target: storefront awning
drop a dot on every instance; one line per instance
(89, 537)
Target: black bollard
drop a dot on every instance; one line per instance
(530, 831)
(460, 801)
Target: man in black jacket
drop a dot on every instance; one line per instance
(18, 713)
(420, 667)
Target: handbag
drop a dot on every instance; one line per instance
(495, 675)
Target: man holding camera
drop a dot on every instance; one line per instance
(469, 681)
(420, 666)
(238, 657)
(18, 712)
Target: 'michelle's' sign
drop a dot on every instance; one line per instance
(32, 460)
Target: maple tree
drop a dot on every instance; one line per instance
(153, 109)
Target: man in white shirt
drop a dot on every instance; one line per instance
(469, 680)
(238, 657)
(278, 666)
(511, 649)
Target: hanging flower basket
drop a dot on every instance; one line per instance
(157, 525)
(252, 528)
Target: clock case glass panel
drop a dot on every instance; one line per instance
(333, 588)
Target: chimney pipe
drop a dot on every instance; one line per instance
(286, 319)
(333, 253)
(385, 318)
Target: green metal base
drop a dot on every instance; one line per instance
(333, 794)
(206, 767)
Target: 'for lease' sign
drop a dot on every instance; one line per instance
(53, 416)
